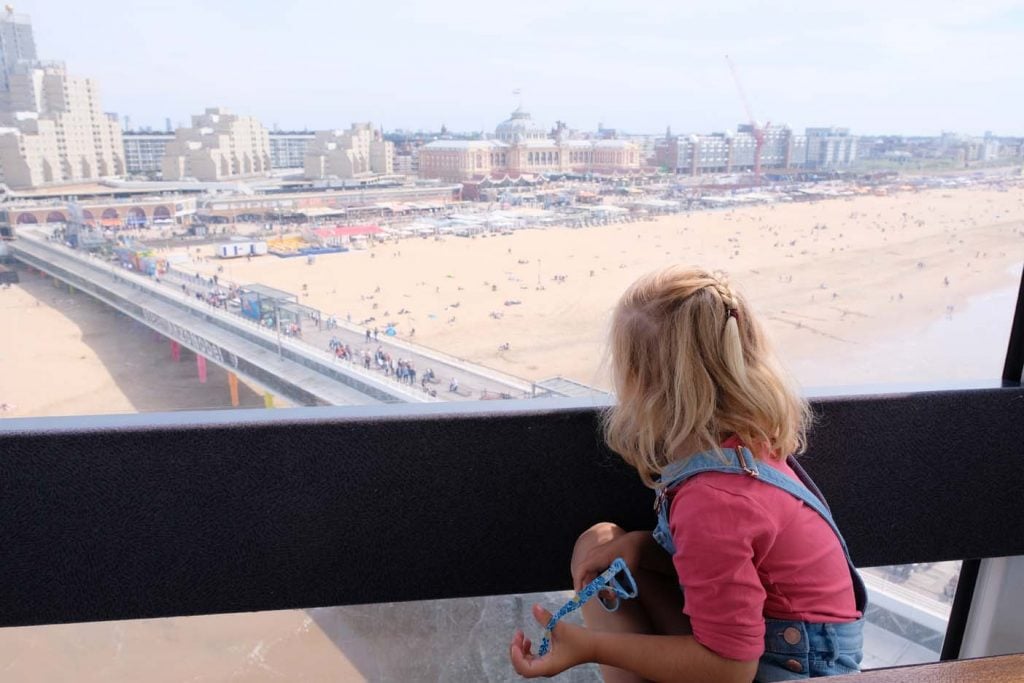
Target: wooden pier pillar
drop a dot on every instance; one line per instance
(233, 387)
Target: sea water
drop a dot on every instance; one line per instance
(966, 346)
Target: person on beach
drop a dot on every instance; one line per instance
(745, 575)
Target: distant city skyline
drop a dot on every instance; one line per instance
(910, 68)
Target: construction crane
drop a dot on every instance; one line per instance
(755, 129)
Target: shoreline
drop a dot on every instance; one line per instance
(982, 327)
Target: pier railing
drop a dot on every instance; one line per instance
(318, 360)
(315, 357)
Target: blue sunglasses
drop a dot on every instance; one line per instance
(616, 579)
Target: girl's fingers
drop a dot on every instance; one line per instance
(541, 615)
(522, 663)
(583, 579)
(516, 655)
(585, 571)
(517, 640)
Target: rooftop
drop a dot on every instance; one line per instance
(268, 292)
(148, 133)
(348, 230)
(463, 144)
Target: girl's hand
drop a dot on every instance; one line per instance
(570, 645)
(628, 546)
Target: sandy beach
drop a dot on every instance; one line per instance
(831, 278)
(857, 290)
(64, 353)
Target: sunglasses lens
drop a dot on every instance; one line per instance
(609, 600)
(623, 584)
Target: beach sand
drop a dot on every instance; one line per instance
(64, 353)
(831, 279)
(852, 291)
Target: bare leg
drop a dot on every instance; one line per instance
(658, 609)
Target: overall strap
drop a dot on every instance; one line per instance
(860, 591)
(741, 461)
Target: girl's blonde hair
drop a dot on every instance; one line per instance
(691, 365)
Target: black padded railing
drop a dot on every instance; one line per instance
(157, 515)
(1013, 369)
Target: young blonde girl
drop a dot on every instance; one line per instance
(707, 419)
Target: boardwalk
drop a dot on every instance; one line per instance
(304, 370)
(475, 382)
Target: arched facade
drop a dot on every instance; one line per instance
(106, 212)
(521, 146)
(136, 217)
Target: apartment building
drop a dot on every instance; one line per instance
(218, 145)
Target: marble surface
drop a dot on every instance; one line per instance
(449, 640)
(441, 640)
(444, 640)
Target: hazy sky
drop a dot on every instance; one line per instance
(892, 66)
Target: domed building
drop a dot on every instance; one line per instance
(519, 127)
(521, 147)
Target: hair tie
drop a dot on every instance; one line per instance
(734, 313)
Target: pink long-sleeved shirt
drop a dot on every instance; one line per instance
(747, 550)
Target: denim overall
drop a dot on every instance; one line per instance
(793, 649)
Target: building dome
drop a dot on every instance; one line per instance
(520, 127)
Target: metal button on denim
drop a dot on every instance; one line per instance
(791, 635)
(794, 666)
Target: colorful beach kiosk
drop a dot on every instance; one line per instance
(344, 236)
(138, 257)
